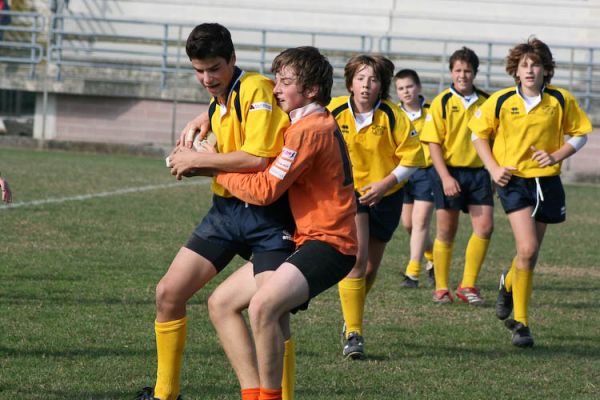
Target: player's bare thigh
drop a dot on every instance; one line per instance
(188, 273)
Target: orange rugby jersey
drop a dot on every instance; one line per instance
(315, 170)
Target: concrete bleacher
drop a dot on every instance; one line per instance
(127, 105)
(568, 22)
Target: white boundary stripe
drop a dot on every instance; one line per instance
(55, 200)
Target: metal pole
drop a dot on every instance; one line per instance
(175, 91)
(42, 142)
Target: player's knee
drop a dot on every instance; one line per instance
(260, 311)
(166, 296)
(527, 253)
(218, 305)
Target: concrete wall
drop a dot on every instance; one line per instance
(114, 119)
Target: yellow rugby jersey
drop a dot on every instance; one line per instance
(380, 147)
(251, 121)
(446, 124)
(504, 119)
(418, 123)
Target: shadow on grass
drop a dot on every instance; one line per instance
(195, 392)
(69, 298)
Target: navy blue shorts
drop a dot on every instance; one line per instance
(475, 189)
(521, 192)
(384, 217)
(418, 187)
(233, 227)
(322, 265)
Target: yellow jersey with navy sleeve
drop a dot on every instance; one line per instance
(250, 120)
(418, 120)
(505, 119)
(446, 125)
(376, 149)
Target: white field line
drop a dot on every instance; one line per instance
(118, 192)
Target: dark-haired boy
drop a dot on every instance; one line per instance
(459, 180)
(249, 130)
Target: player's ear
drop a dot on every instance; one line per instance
(312, 92)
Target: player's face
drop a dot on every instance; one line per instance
(408, 91)
(531, 75)
(366, 89)
(215, 75)
(462, 77)
(288, 92)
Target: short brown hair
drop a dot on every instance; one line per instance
(311, 68)
(382, 66)
(467, 55)
(535, 49)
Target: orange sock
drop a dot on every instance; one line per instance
(250, 394)
(270, 394)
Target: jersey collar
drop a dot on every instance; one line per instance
(237, 74)
(530, 103)
(467, 101)
(413, 115)
(365, 122)
(302, 112)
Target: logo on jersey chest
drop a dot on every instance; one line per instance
(549, 110)
(514, 111)
(455, 109)
(378, 130)
(345, 129)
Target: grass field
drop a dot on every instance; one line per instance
(77, 280)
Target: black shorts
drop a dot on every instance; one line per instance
(418, 187)
(322, 265)
(522, 192)
(475, 189)
(384, 217)
(233, 227)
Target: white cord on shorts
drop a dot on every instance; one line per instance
(539, 196)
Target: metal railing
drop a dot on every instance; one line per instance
(20, 41)
(73, 43)
(95, 42)
(577, 67)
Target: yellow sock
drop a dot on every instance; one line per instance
(288, 380)
(442, 254)
(428, 254)
(369, 282)
(413, 269)
(509, 275)
(170, 341)
(352, 298)
(522, 286)
(476, 249)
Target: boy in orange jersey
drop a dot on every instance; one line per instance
(315, 171)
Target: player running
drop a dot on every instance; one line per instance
(527, 124)
(385, 151)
